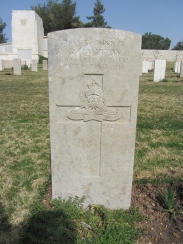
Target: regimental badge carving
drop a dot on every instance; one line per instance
(94, 107)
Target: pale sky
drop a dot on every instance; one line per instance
(161, 17)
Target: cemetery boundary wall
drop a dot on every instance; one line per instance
(168, 55)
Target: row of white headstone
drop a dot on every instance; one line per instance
(17, 65)
(159, 67)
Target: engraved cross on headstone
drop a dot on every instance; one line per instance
(94, 114)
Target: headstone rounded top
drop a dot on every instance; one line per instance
(94, 30)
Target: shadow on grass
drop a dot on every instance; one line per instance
(48, 226)
(5, 226)
(45, 226)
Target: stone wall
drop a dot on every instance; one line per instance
(6, 48)
(168, 55)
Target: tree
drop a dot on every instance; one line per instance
(3, 39)
(58, 16)
(178, 46)
(152, 41)
(97, 20)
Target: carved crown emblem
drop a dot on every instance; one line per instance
(94, 108)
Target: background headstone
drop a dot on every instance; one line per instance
(181, 69)
(178, 67)
(145, 66)
(8, 63)
(93, 91)
(17, 66)
(175, 67)
(1, 65)
(34, 65)
(159, 70)
(150, 65)
(176, 64)
(45, 65)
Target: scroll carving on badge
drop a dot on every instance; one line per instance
(94, 107)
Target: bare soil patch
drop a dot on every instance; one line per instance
(160, 228)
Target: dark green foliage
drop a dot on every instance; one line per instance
(97, 20)
(25, 67)
(67, 222)
(58, 16)
(162, 179)
(169, 203)
(178, 46)
(152, 41)
(41, 58)
(168, 198)
(3, 39)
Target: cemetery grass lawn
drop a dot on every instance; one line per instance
(25, 207)
(159, 137)
(24, 142)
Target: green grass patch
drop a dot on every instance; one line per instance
(159, 138)
(67, 222)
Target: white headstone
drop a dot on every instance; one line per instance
(145, 66)
(159, 70)
(8, 63)
(93, 90)
(1, 65)
(34, 65)
(175, 67)
(178, 67)
(181, 69)
(45, 65)
(17, 66)
(150, 65)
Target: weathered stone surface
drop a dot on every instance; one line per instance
(34, 65)
(181, 69)
(45, 64)
(93, 91)
(159, 70)
(17, 66)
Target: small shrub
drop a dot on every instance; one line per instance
(164, 80)
(25, 67)
(170, 204)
